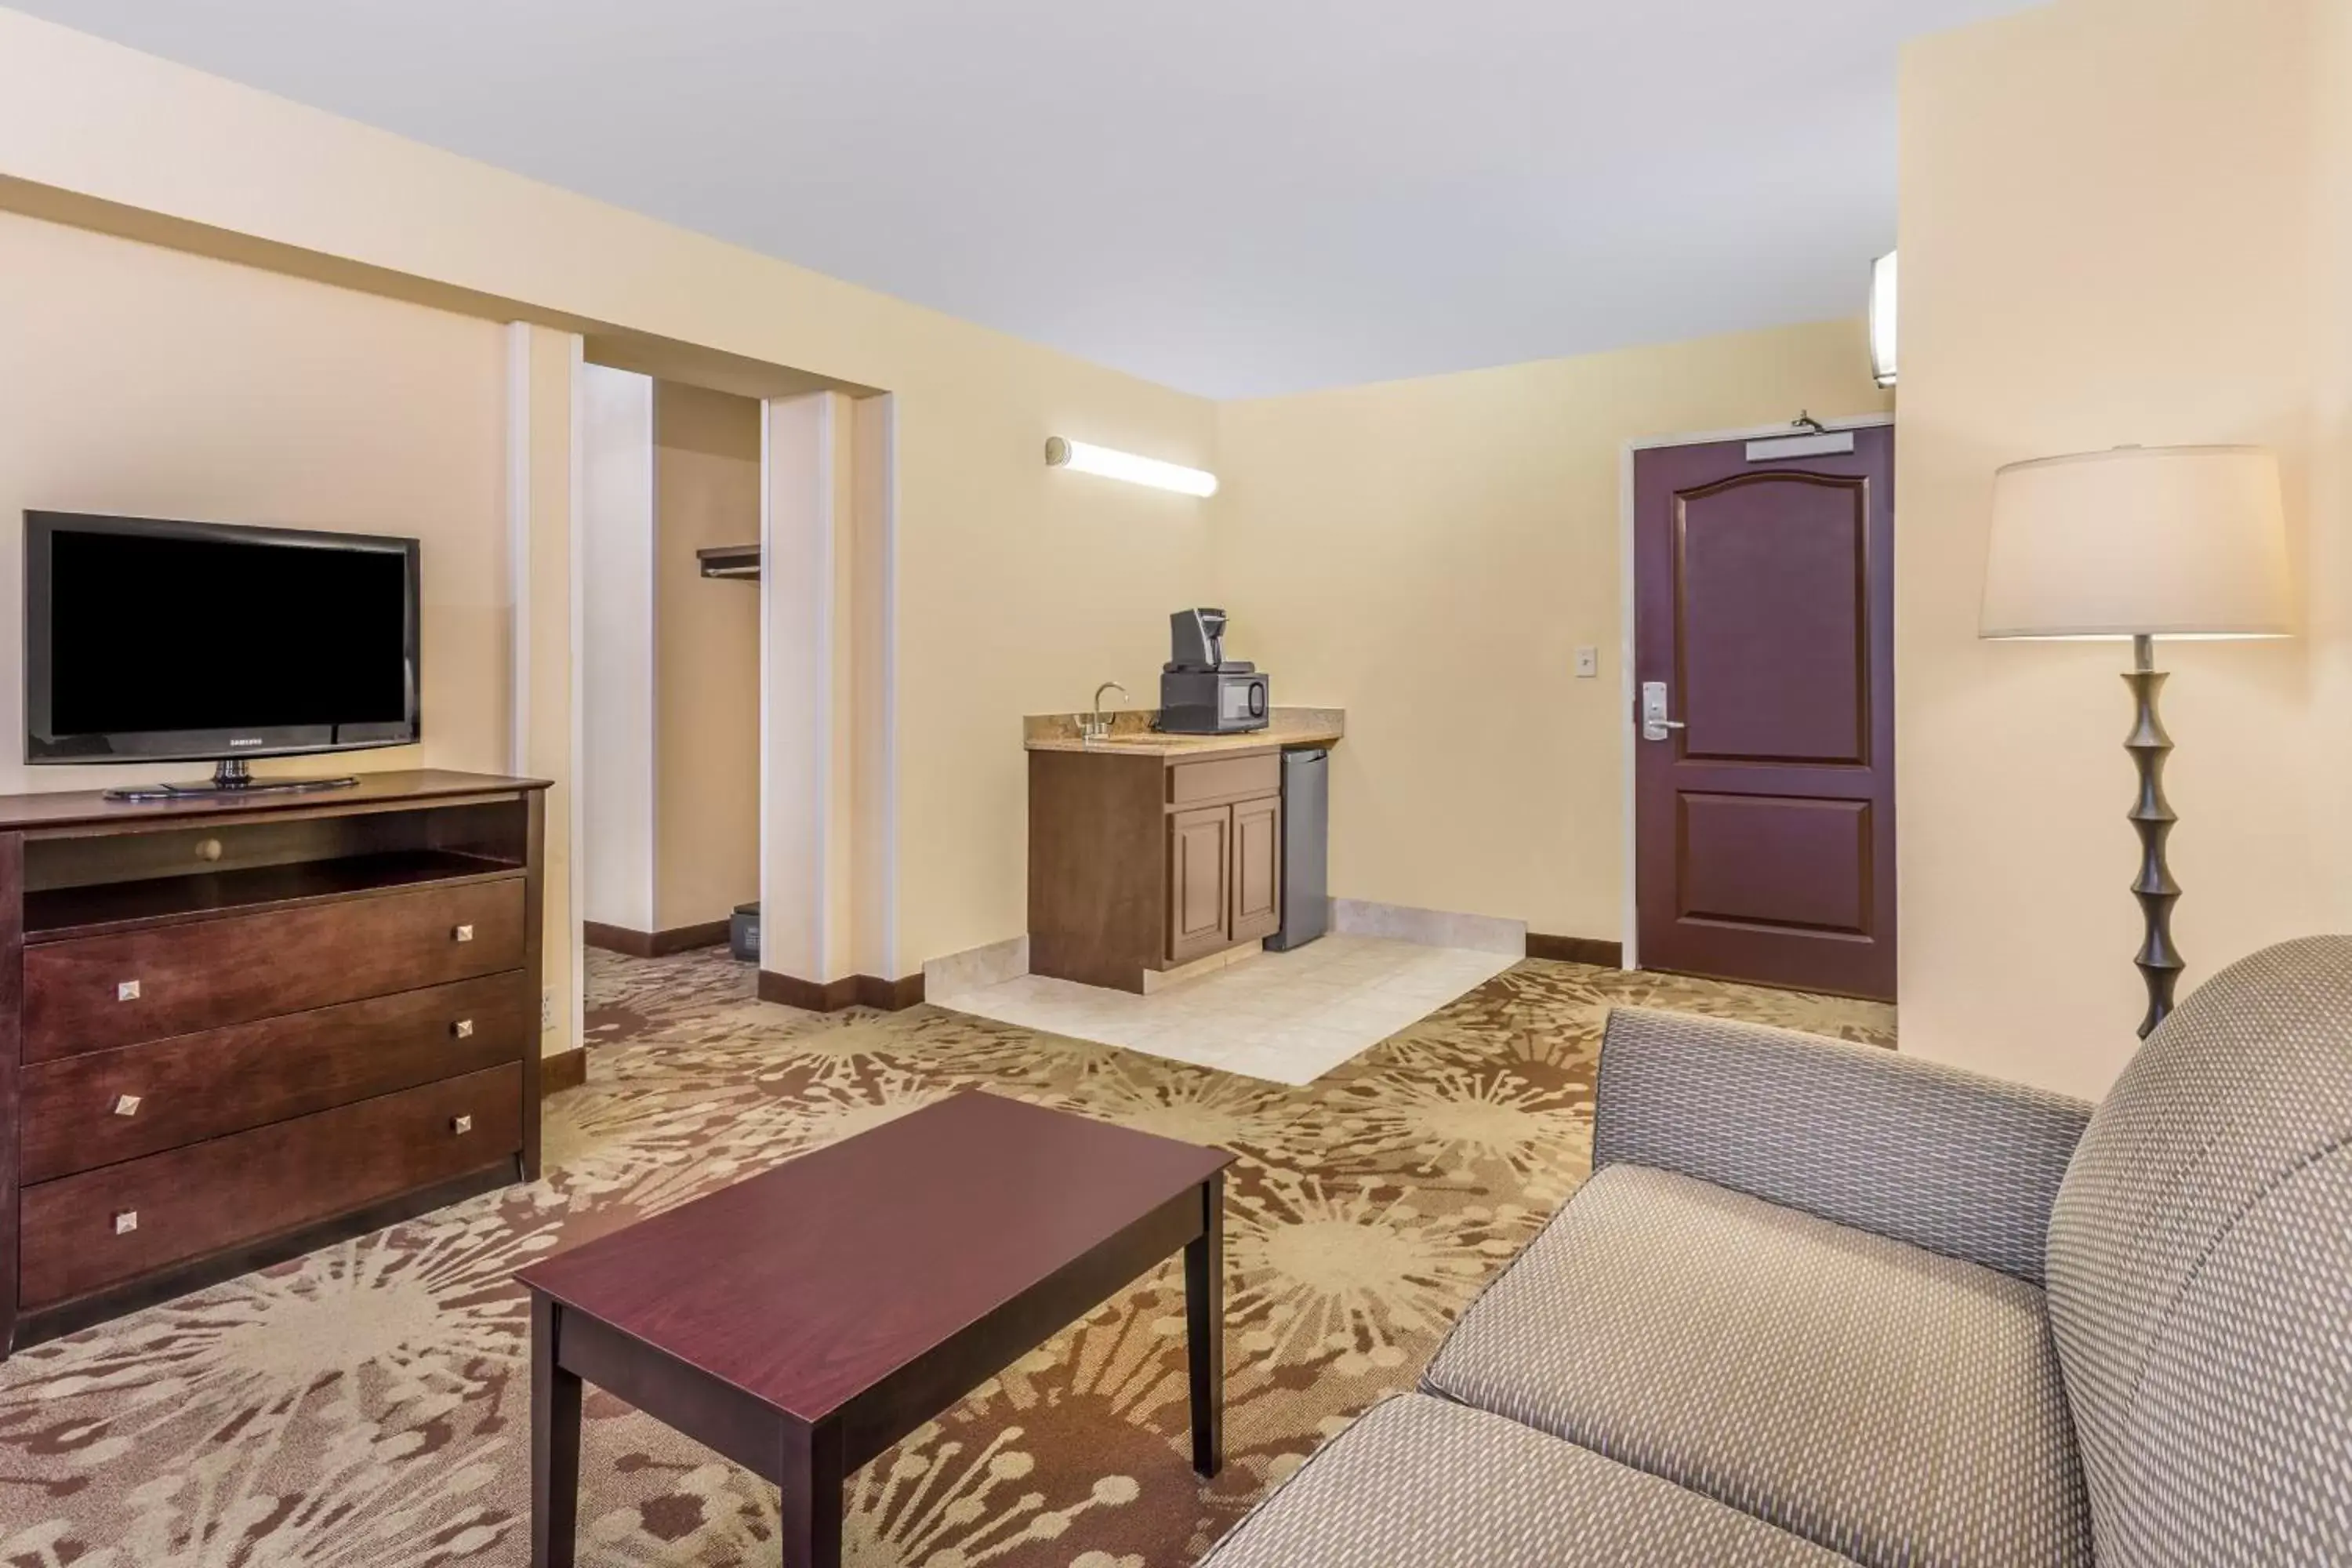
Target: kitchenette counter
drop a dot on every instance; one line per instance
(1132, 734)
(1152, 856)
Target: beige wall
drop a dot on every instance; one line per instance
(542, 370)
(2329, 563)
(2107, 237)
(1017, 584)
(705, 658)
(1020, 588)
(149, 382)
(1429, 555)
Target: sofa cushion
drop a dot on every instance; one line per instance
(1422, 1482)
(2199, 1251)
(1901, 1407)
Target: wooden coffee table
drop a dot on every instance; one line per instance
(803, 1320)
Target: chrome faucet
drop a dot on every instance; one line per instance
(1097, 727)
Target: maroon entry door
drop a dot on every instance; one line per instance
(1764, 655)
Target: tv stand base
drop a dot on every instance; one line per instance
(230, 776)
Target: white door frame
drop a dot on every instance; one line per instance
(1629, 907)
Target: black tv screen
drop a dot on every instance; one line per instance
(150, 640)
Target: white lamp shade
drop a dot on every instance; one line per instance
(2171, 542)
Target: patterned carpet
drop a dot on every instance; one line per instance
(365, 1406)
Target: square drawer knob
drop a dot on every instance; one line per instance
(463, 1028)
(462, 933)
(126, 991)
(461, 1124)
(126, 1105)
(126, 1222)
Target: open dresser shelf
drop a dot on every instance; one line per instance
(62, 913)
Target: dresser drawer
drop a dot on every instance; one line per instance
(90, 993)
(92, 1110)
(1225, 778)
(103, 1227)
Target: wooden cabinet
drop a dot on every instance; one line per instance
(1199, 882)
(1258, 868)
(234, 1029)
(1141, 862)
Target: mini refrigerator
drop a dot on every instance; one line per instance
(1306, 829)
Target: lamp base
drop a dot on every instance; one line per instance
(2152, 817)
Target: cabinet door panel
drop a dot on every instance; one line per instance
(1258, 868)
(1200, 903)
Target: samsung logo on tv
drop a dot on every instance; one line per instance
(254, 740)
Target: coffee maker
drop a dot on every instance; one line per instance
(1202, 692)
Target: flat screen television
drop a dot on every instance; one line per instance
(148, 640)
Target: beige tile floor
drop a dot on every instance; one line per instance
(1286, 1017)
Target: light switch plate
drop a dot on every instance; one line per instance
(1588, 663)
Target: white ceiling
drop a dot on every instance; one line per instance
(1233, 196)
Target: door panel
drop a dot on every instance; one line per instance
(1766, 860)
(1776, 563)
(1200, 854)
(1258, 868)
(1765, 828)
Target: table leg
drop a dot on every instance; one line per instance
(554, 1442)
(812, 1476)
(1204, 1329)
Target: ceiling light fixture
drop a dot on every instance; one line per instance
(1116, 465)
(1882, 320)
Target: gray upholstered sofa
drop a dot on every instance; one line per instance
(1825, 1304)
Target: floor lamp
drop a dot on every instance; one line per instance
(2141, 542)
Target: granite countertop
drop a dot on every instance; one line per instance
(1131, 733)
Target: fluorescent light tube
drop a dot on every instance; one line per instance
(1882, 320)
(1116, 465)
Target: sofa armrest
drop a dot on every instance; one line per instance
(1963, 1165)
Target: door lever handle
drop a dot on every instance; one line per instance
(1656, 725)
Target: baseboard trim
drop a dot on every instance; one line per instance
(976, 968)
(652, 943)
(1430, 928)
(563, 1070)
(1576, 949)
(891, 996)
(849, 991)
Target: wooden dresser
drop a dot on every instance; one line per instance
(233, 1029)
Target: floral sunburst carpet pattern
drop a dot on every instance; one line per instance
(367, 1405)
